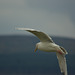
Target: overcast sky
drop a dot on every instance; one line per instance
(54, 17)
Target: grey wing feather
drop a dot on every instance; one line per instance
(41, 35)
(62, 63)
(65, 52)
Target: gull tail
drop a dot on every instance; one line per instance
(62, 63)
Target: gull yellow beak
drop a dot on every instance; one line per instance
(35, 50)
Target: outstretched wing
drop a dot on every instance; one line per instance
(62, 63)
(41, 35)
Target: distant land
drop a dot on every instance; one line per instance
(17, 56)
(17, 43)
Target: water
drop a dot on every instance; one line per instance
(17, 57)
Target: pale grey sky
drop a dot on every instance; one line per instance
(55, 17)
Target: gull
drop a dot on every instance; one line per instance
(47, 44)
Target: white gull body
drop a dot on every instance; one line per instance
(46, 44)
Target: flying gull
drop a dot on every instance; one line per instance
(46, 44)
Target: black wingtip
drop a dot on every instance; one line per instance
(63, 73)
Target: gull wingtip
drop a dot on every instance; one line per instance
(19, 28)
(25, 29)
(16, 28)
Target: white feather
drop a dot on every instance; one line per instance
(62, 63)
(48, 45)
(41, 35)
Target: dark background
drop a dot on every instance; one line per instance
(17, 56)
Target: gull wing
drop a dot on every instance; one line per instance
(62, 63)
(41, 35)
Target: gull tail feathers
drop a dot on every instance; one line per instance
(62, 63)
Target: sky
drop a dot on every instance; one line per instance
(54, 17)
